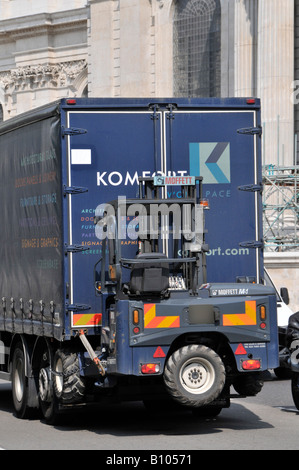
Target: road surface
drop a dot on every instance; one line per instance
(268, 421)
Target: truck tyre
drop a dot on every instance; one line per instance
(207, 411)
(69, 386)
(20, 383)
(295, 389)
(283, 373)
(194, 375)
(48, 403)
(248, 384)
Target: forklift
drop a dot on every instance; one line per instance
(193, 339)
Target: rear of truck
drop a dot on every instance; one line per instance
(108, 144)
(218, 140)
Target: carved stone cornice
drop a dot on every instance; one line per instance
(60, 75)
(42, 24)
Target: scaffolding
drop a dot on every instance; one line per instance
(281, 207)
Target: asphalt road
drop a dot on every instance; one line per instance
(268, 421)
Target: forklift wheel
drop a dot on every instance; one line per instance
(194, 375)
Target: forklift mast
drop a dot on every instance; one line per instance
(171, 237)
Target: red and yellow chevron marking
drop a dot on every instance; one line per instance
(152, 321)
(87, 319)
(240, 319)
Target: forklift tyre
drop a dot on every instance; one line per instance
(295, 389)
(194, 375)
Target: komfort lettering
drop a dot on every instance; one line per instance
(115, 178)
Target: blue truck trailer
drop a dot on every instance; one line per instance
(102, 299)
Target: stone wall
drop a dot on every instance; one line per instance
(43, 55)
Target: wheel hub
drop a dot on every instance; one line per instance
(197, 376)
(194, 376)
(44, 384)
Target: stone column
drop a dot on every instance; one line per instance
(120, 48)
(101, 40)
(135, 48)
(162, 15)
(245, 47)
(275, 77)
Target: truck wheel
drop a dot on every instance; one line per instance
(295, 389)
(283, 373)
(248, 384)
(207, 411)
(69, 386)
(20, 388)
(47, 400)
(19, 383)
(194, 375)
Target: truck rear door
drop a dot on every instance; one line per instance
(206, 142)
(117, 147)
(122, 143)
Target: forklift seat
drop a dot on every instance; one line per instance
(150, 278)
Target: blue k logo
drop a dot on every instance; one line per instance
(211, 161)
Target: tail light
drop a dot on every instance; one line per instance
(150, 368)
(136, 316)
(263, 316)
(262, 312)
(251, 364)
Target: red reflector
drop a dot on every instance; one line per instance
(263, 325)
(251, 364)
(150, 368)
(250, 101)
(240, 350)
(204, 203)
(136, 330)
(159, 352)
(71, 101)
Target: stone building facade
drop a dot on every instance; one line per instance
(155, 48)
(159, 48)
(43, 52)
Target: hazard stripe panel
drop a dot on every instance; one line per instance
(87, 319)
(242, 319)
(151, 320)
